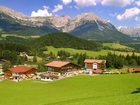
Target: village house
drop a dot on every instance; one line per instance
(134, 70)
(94, 66)
(18, 73)
(25, 55)
(61, 69)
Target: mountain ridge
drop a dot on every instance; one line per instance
(132, 32)
(94, 27)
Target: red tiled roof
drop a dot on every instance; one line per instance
(94, 61)
(20, 69)
(57, 64)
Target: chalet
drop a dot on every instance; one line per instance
(94, 66)
(61, 69)
(134, 70)
(20, 72)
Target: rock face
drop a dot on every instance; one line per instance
(12, 13)
(86, 25)
(132, 32)
(79, 20)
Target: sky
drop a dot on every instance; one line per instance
(118, 12)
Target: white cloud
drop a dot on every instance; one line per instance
(120, 3)
(46, 7)
(57, 8)
(66, 2)
(137, 3)
(137, 19)
(41, 12)
(129, 13)
(85, 2)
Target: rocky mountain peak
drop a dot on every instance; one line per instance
(87, 16)
(59, 21)
(11, 12)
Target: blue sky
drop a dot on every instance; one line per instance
(118, 12)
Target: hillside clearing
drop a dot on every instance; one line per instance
(116, 46)
(89, 53)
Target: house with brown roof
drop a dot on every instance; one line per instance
(20, 72)
(61, 69)
(134, 70)
(94, 65)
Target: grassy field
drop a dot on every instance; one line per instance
(81, 90)
(116, 46)
(20, 36)
(89, 53)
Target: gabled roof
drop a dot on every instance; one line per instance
(20, 69)
(57, 64)
(94, 61)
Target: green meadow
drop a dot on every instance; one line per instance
(19, 36)
(89, 53)
(116, 46)
(123, 89)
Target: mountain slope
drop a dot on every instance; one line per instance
(64, 40)
(14, 22)
(92, 27)
(91, 33)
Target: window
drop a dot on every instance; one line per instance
(94, 66)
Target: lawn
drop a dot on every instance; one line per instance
(80, 90)
(89, 53)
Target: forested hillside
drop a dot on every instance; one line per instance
(64, 40)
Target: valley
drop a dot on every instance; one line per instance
(51, 56)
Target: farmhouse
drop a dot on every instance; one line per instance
(62, 69)
(134, 70)
(94, 66)
(21, 72)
